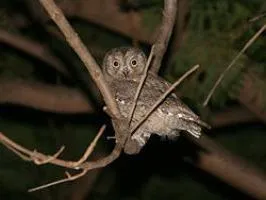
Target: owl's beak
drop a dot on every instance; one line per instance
(126, 72)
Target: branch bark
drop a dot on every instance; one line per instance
(90, 63)
(160, 46)
(34, 49)
(229, 168)
(44, 97)
(231, 116)
(251, 96)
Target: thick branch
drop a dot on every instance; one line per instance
(44, 97)
(236, 174)
(160, 46)
(229, 168)
(180, 28)
(90, 63)
(96, 73)
(231, 116)
(33, 49)
(251, 96)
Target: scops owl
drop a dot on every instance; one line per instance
(123, 68)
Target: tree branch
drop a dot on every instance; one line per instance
(45, 97)
(33, 49)
(247, 45)
(160, 46)
(251, 94)
(232, 116)
(80, 49)
(229, 168)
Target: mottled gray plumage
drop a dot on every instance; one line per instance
(123, 68)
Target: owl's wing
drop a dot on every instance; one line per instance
(172, 103)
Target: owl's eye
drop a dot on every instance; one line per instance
(133, 63)
(116, 64)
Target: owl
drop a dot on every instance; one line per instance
(123, 68)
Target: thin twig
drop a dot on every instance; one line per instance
(258, 17)
(49, 158)
(90, 148)
(24, 151)
(140, 86)
(68, 178)
(81, 50)
(21, 155)
(39, 158)
(161, 99)
(160, 46)
(248, 44)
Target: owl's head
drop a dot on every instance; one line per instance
(124, 63)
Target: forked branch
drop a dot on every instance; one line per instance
(40, 159)
(96, 73)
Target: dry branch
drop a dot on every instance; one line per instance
(140, 86)
(247, 45)
(251, 94)
(95, 71)
(180, 28)
(229, 168)
(40, 159)
(44, 96)
(80, 49)
(232, 116)
(34, 49)
(160, 46)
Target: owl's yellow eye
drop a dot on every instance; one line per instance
(133, 63)
(116, 64)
